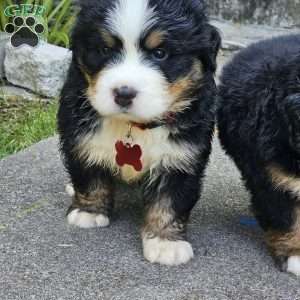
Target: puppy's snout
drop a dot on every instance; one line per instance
(124, 96)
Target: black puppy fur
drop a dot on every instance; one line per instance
(259, 125)
(170, 192)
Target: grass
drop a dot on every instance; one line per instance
(25, 123)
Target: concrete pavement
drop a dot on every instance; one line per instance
(41, 257)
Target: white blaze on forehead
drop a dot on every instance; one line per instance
(129, 19)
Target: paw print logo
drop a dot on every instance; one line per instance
(25, 31)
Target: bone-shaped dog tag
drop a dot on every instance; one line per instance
(129, 155)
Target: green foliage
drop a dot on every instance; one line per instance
(25, 123)
(58, 18)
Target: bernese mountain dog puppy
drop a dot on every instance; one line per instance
(259, 125)
(139, 105)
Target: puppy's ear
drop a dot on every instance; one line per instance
(212, 43)
(209, 38)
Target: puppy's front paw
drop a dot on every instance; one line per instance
(167, 252)
(87, 220)
(293, 265)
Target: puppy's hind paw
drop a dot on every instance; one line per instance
(293, 265)
(85, 219)
(70, 190)
(167, 252)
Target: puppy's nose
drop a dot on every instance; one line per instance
(124, 96)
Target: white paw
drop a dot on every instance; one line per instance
(87, 220)
(167, 252)
(70, 190)
(294, 265)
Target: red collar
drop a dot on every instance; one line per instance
(167, 120)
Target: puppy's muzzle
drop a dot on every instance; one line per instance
(124, 96)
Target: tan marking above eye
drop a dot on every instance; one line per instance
(109, 40)
(154, 39)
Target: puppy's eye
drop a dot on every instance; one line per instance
(159, 54)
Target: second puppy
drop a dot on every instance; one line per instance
(259, 125)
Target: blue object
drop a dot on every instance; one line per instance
(248, 221)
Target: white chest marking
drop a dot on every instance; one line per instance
(157, 149)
